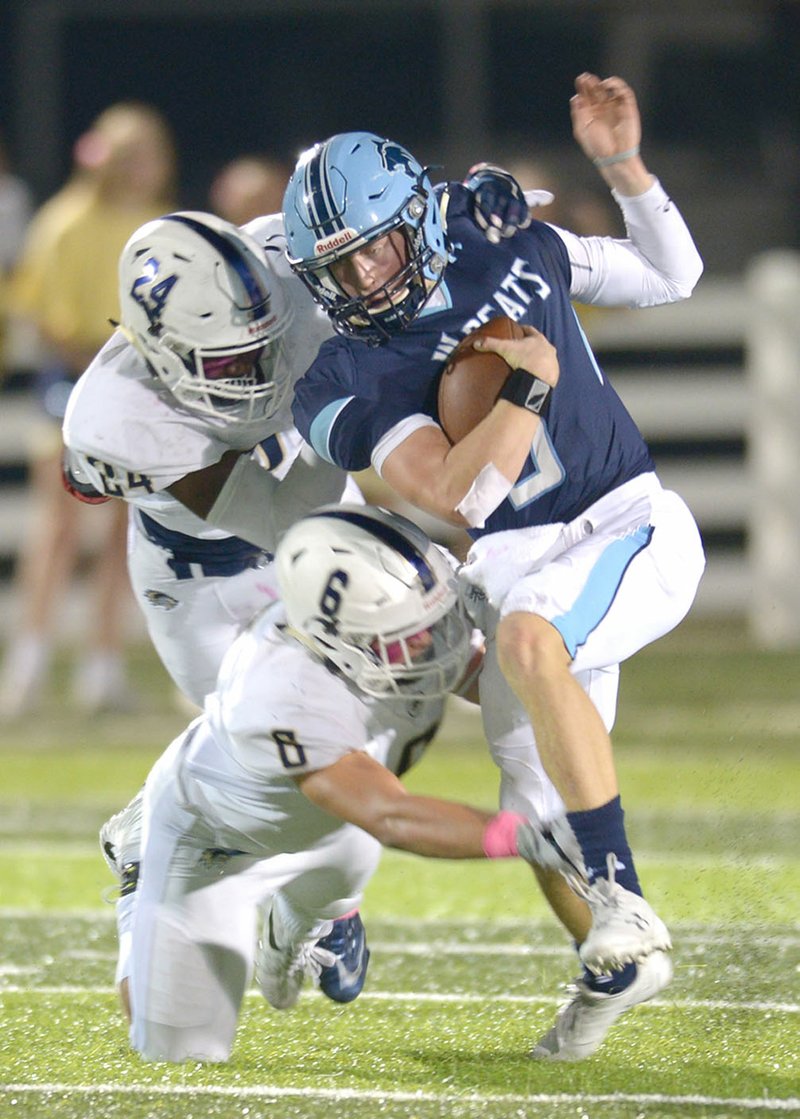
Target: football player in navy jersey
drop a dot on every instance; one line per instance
(580, 557)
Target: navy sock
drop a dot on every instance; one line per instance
(600, 830)
(610, 984)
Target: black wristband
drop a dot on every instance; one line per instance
(526, 390)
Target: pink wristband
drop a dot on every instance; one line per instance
(500, 835)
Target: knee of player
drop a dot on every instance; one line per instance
(529, 646)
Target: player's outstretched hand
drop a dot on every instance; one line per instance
(605, 117)
(499, 206)
(533, 353)
(553, 846)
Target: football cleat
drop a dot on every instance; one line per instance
(343, 979)
(120, 843)
(281, 967)
(582, 1023)
(335, 961)
(625, 929)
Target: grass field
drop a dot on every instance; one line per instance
(467, 967)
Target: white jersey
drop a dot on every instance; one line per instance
(277, 713)
(197, 584)
(228, 836)
(132, 439)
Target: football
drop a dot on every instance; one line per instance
(470, 381)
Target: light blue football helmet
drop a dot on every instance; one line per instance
(346, 192)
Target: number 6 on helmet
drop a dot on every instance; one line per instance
(367, 591)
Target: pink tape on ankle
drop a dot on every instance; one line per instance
(500, 835)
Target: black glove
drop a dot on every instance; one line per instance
(498, 203)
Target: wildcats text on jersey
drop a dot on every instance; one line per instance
(516, 291)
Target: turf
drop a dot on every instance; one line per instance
(467, 966)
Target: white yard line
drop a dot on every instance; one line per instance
(684, 936)
(266, 1092)
(690, 928)
(448, 948)
(444, 997)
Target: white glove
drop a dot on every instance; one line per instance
(552, 846)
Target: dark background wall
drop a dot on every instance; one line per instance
(455, 80)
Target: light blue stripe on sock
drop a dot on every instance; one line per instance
(592, 604)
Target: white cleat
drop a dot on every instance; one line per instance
(582, 1024)
(121, 837)
(625, 929)
(281, 968)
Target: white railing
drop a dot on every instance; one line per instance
(773, 425)
(681, 371)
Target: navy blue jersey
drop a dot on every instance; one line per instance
(353, 394)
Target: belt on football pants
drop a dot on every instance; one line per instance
(190, 557)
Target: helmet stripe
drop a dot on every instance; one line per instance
(319, 195)
(389, 535)
(257, 292)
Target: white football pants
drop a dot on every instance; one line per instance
(616, 578)
(193, 622)
(197, 909)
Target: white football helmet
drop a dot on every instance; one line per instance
(201, 302)
(367, 591)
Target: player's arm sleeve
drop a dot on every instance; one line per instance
(310, 482)
(93, 480)
(341, 427)
(339, 431)
(397, 435)
(255, 506)
(657, 263)
(242, 504)
(339, 408)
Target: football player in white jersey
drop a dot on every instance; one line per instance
(279, 797)
(185, 415)
(214, 332)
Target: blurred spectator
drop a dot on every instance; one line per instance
(65, 283)
(16, 208)
(248, 187)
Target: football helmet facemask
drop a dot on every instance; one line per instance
(346, 192)
(201, 302)
(368, 592)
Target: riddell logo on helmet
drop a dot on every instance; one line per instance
(262, 326)
(335, 241)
